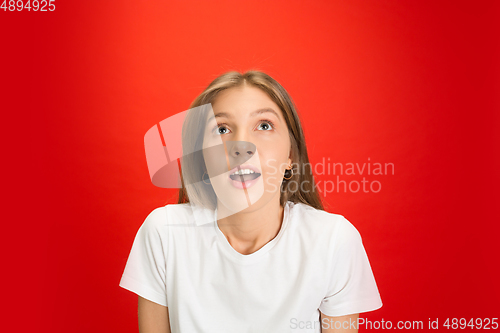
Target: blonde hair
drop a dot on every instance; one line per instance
(194, 165)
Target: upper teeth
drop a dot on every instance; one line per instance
(243, 172)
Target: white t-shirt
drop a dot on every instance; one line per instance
(316, 262)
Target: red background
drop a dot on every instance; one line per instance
(411, 83)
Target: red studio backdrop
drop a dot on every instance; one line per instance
(414, 85)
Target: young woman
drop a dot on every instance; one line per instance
(248, 247)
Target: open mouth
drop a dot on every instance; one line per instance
(244, 177)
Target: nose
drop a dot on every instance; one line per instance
(241, 148)
(240, 151)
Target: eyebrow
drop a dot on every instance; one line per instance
(254, 113)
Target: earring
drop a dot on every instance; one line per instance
(291, 173)
(203, 178)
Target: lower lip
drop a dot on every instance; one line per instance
(244, 185)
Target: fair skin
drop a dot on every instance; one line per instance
(153, 317)
(247, 114)
(252, 216)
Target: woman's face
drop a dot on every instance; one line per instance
(253, 140)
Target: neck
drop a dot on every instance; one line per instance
(251, 229)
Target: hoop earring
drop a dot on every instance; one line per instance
(291, 173)
(203, 178)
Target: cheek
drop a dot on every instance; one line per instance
(273, 163)
(215, 160)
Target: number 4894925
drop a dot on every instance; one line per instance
(35, 5)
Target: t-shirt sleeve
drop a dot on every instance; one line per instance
(352, 287)
(145, 270)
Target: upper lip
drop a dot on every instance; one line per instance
(244, 166)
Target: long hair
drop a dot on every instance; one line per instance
(298, 189)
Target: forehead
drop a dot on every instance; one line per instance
(245, 101)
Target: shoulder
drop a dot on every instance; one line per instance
(309, 216)
(323, 223)
(162, 217)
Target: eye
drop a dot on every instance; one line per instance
(266, 125)
(220, 129)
